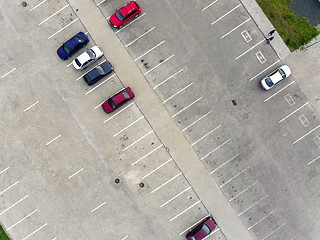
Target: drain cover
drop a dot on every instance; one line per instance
(24, 4)
(141, 185)
(117, 180)
(245, 116)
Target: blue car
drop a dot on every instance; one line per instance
(72, 45)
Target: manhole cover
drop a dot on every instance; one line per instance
(117, 180)
(24, 4)
(245, 116)
(141, 185)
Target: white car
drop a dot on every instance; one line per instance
(87, 58)
(274, 78)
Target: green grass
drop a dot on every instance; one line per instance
(295, 31)
(3, 235)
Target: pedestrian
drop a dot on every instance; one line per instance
(272, 32)
(269, 39)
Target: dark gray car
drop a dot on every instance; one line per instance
(97, 73)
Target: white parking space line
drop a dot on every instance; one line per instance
(9, 187)
(237, 175)
(37, 5)
(236, 28)
(8, 73)
(263, 40)
(166, 182)
(264, 70)
(53, 140)
(70, 64)
(306, 135)
(130, 23)
(206, 135)
(101, 2)
(313, 160)
(243, 191)
(4, 170)
(147, 155)
(262, 219)
(185, 210)
(224, 163)
(54, 14)
(30, 106)
(225, 14)
(156, 168)
(177, 93)
(193, 225)
(209, 5)
(278, 91)
(252, 205)
(99, 84)
(63, 28)
(128, 126)
(75, 173)
(187, 107)
(159, 64)
(149, 50)
(22, 219)
(273, 232)
(88, 70)
(196, 121)
(140, 37)
(13, 205)
(35, 231)
(175, 196)
(118, 112)
(173, 75)
(98, 207)
(125, 237)
(215, 149)
(293, 112)
(137, 140)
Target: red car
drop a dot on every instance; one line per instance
(124, 14)
(202, 230)
(117, 100)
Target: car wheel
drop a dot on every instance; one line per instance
(120, 26)
(136, 15)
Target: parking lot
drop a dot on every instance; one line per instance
(68, 170)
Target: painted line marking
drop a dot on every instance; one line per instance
(166, 182)
(75, 173)
(63, 28)
(293, 112)
(137, 140)
(313, 160)
(149, 50)
(225, 14)
(273, 232)
(262, 219)
(196, 121)
(53, 140)
(181, 90)
(175, 196)
(9, 187)
(289, 100)
(209, 5)
(158, 65)
(243, 191)
(237, 175)
(193, 225)
(30, 106)
(13, 205)
(205, 135)
(278, 91)
(173, 75)
(118, 112)
(127, 25)
(127, 126)
(263, 40)
(225, 163)
(306, 135)
(99, 84)
(264, 70)
(37, 5)
(140, 37)
(8, 73)
(261, 57)
(156, 168)
(101, 2)
(22, 219)
(53, 14)
(147, 155)
(304, 121)
(187, 107)
(236, 28)
(35, 231)
(185, 210)
(70, 64)
(98, 206)
(125, 237)
(316, 140)
(252, 205)
(88, 71)
(246, 36)
(4, 170)
(215, 149)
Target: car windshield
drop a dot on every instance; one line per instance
(282, 73)
(79, 39)
(78, 63)
(206, 229)
(65, 48)
(91, 53)
(111, 103)
(119, 15)
(126, 94)
(100, 70)
(269, 82)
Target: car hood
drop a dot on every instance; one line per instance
(286, 69)
(97, 51)
(106, 107)
(61, 53)
(114, 20)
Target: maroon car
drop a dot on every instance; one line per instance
(117, 100)
(202, 230)
(124, 14)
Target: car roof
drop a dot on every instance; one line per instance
(127, 8)
(83, 57)
(117, 99)
(276, 77)
(210, 223)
